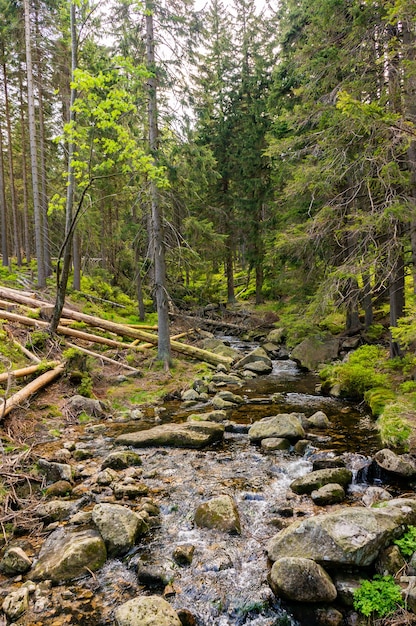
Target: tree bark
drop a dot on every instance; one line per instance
(34, 152)
(26, 231)
(158, 239)
(3, 209)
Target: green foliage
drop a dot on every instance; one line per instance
(380, 596)
(85, 386)
(407, 543)
(37, 339)
(393, 425)
(374, 332)
(360, 373)
(409, 386)
(377, 398)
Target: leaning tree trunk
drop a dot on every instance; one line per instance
(34, 151)
(163, 353)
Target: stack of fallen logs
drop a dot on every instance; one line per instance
(11, 298)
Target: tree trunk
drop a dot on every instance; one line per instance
(163, 353)
(26, 231)
(77, 262)
(3, 209)
(367, 301)
(13, 198)
(34, 152)
(229, 269)
(66, 248)
(396, 293)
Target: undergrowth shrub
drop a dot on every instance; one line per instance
(407, 543)
(393, 425)
(378, 597)
(378, 398)
(360, 373)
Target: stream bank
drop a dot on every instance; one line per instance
(209, 577)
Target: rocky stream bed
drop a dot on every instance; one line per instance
(247, 500)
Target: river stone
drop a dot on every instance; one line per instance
(319, 420)
(67, 555)
(351, 536)
(15, 561)
(122, 459)
(390, 561)
(259, 367)
(119, 526)
(190, 395)
(55, 471)
(211, 416)
(184, 554)
(316, 480)
(374, 494)
(276, 335)
(257, 355)
(60, 488)
(16, 603)
(332, 493)
(301, 580)
(57, 510)
(146, 611)
(401, 465)
(130, 490)
(313, 351)
(275, 443)
(228, 396)
(218, 347)
(79, 404)
(284, 425)
(228, 379)
(189, 435)
(220, 513)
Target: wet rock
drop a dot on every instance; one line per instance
(130, 491)
(275, 443)
(220, 513)
(332, 493)
(81, 454)
(187, 618)
(227, 396)
(352, 536)
(121, 459)
(190, 394)
(153, 576)
(259, 367)
(316, 480)
(79, 404)
(146, 611)
(313, 351)
(374, 494)
(213, 416)
(58, 510)
(119, 526)
(219, 347)
(55, 471)
(60, 488)
(255, 356)
(15, 561)
(329, 617)
(276, 335)
(326, 463)
(227, 379)
(184, 554)
(284, 425)
(402, 465)
(301, 580)
(67, 555)
(16, 603)
(319, 420)
(390, 561)
(301, 445)
(346, 586)
(189, 435)
(106, 477)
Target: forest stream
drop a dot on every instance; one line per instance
(226, 582)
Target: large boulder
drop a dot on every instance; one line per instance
(313, 351)
(146, 611)
(332, 493)
(352, 536)
(282, 426)
(121, 459)
(67, 555)
(220, 513)
(80, 404)
(219, 347)
(119, 526)
(319, 478)
(301, 580)
(188, 435)
(402, 465)
(15, 561)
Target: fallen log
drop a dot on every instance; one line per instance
(39, 383)
(209, 322)
(25, 351)
(107, 359)
(128, 331)
(24, 371)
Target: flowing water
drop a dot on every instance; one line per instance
(226, 583)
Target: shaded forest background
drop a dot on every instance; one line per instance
(269, 154)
